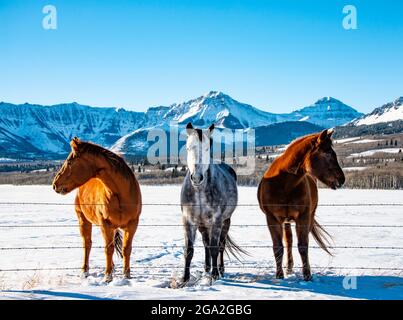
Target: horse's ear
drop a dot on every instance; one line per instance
(330, 132)
(211, 129)
(189, 128)
(74, 143)
(323, 137)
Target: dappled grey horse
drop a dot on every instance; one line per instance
(209, 197)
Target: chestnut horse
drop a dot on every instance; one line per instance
(288, 192)
(108, 196)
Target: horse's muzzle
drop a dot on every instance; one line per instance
(197, 179)
(338, 183)
(60, 190)
(340, 180)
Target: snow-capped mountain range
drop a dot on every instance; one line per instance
(219, 108)
(28, 131)
(327, 112)
(389, 112)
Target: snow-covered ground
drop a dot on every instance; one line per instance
(153, 268)
(346, 140)
(364, 141)
(354, 168)
(370, 153)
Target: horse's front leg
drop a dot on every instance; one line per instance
(206, 243)
(215, 246)
(276, 232)
(86, 232)
(129, 232)
(190, 236)
(223, 239)
(108, 234)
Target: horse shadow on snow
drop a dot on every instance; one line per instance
(367, 287)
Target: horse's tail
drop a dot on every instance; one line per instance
(321, 236)
(117, 241)
(235, 250)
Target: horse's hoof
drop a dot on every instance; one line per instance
(289, 271)
(279, 275)
(179, 284)
(307, 277)
(207, 269)
(108, 278)
(215, 274)
(84, 274)
(221, 270)
(127, 276)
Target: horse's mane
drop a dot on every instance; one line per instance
(112, 158)
(295, 151)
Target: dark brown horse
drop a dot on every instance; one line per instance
(108, 196)
(288, 192)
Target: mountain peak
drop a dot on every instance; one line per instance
(327, 112)
(398, 101)
(327, 100)
(214, 94)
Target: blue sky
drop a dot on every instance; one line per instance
(275, 55)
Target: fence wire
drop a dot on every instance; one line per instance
(181, 225)
(266, 267)
(215, 204)
(198, 246)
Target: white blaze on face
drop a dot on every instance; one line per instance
(198, 154)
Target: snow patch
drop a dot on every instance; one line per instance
(369, 153)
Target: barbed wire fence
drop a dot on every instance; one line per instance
(238, 266)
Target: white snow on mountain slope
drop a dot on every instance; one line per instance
(389, 112)
(217, 107)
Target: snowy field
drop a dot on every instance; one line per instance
(158, 254)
